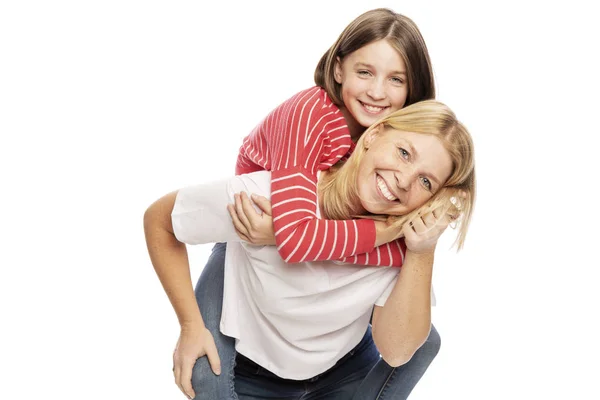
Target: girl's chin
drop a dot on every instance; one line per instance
(367, 120)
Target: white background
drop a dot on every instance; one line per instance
(107, 105)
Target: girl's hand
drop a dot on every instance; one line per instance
(193, 344)
(421, 234)
(251, 226)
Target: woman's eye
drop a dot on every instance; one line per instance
(426, 183)
(405, 154)
(397, 81)
(363, 72)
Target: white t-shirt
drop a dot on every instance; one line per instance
(295, 320)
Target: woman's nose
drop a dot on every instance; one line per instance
(404, 179)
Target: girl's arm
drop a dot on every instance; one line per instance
(257, 228)
(306, 134)
(390, 254)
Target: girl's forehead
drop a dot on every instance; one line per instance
(377, 48)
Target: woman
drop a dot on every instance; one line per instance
(301, 329)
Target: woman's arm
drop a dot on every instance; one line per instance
(170, 260)
(193, 215)
(402, 325)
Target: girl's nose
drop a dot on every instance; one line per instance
(376, 90)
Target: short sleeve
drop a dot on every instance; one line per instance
(200, 212)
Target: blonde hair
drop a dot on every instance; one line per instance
(401, 33)
(339, 192)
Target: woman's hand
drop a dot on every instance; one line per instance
(193, 344)
(421, 234)
(251, 226)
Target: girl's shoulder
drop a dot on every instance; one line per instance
(314, 95)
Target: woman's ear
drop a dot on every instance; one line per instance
(337, 71)
(371, 135)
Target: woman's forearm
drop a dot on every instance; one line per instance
(402, 325)
(170, 260)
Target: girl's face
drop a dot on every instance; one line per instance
(401, 170)
(374, 82)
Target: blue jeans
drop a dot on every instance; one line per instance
(360, 375)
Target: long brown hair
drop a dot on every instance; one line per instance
(402, 34)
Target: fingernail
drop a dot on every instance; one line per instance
(218, 371)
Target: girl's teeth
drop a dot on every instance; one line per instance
(373, 109)
(384, 189)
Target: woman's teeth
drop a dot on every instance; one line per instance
(384, 189)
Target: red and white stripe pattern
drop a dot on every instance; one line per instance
(305, 134)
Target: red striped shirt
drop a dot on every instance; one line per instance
(305, 134)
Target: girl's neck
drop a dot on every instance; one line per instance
(354, 127)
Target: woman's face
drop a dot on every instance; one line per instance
(374, 82)
(401, 170)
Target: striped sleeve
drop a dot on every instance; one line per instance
(299, 234)
(307, 134)
(387, 255)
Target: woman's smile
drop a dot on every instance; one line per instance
(384, 190)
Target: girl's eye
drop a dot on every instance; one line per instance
(397, 81)
(403, 153)
(363, 72)
(426, 183)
